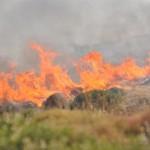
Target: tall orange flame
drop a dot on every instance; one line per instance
(93, 71)
(96, 73)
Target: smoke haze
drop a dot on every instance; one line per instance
(114, 27)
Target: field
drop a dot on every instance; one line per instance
(73, 130)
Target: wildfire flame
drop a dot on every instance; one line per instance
(93, 71)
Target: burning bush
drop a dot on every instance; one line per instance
(93, 72)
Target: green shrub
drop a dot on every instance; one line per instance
(98, 99)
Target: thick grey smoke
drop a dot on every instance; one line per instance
(116, 28)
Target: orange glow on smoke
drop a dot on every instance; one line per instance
(93, 71)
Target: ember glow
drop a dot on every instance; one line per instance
(93, 70)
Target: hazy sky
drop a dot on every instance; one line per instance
(117, 28)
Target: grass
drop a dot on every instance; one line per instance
(70, 130)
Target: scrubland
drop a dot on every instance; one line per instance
(73, 130)
(87, 125)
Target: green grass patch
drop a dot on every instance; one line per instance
(66, 130)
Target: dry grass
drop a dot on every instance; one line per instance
(136, 100)
(39, 129)
(64, 129)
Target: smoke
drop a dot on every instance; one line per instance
(114, 27)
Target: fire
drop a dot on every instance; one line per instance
(95, 73)
(93, 70)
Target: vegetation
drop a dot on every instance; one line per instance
(99, 121)
(72, 130)
(104, 100)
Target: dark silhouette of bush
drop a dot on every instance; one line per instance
(9, 106)
(57, 100)
(98, 99)
(27, 105)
